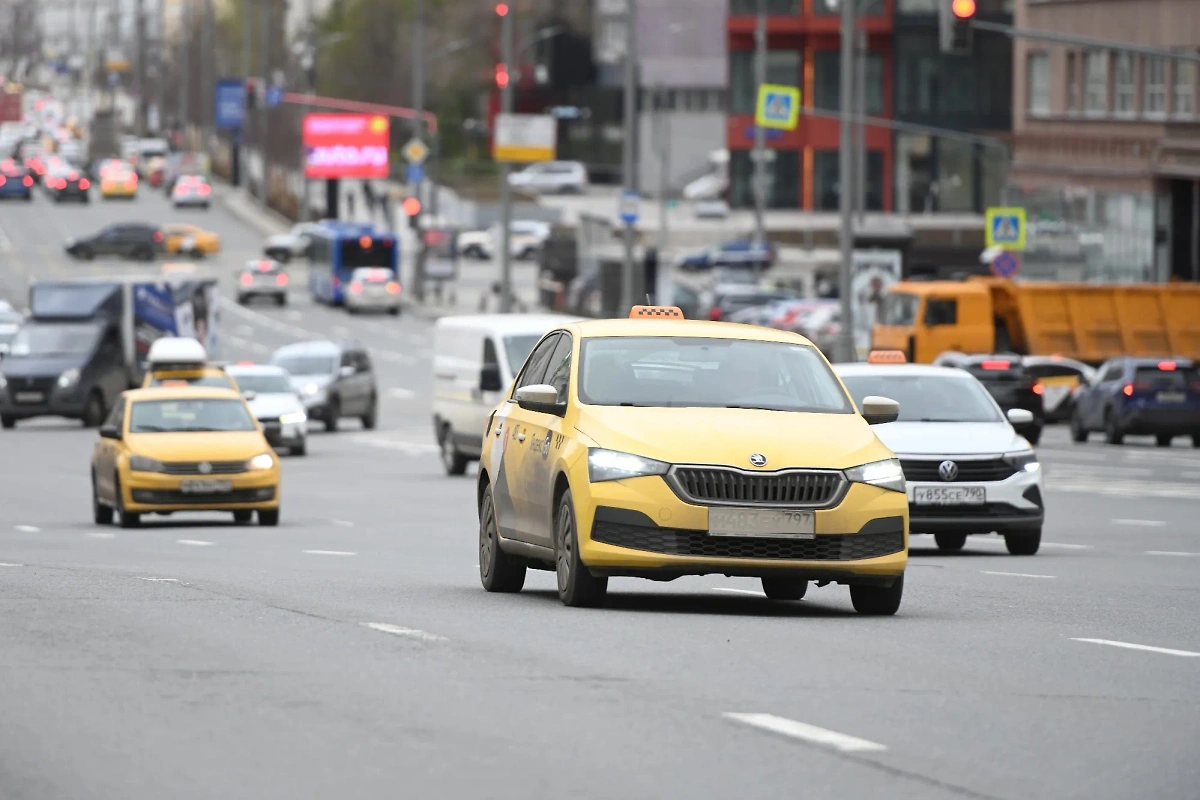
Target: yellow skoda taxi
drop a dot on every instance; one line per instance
(659, 447)
(118, 182)
(171, 449)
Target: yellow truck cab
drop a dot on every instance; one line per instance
(180, 361)
(1086, 322)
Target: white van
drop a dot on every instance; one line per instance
(475, 359)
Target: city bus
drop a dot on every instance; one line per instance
(339, 248)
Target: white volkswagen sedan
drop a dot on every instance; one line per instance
(968, 471)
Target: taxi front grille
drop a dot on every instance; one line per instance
(979, 469)
(725, 486)
(681, 542)
(215, 467)
(171, 497)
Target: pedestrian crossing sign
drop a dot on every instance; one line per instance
(1005, 228)
(778, 107)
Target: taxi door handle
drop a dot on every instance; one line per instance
(520, 437)
(499, 428)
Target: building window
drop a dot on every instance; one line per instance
(783, 67)
(1185, 89)
(827, 180)
(956, 175)
(1123, 92)
(783, 179)
(914, 173)
(1095, 78)
(1072, 84)
(827, 84)
(774, 7)
(1038, 83)
(1154, 87)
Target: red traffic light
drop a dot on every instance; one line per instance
(963, 9)
(412, 206)
(502, 75)
(501, 9)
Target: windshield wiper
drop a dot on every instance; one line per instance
(148, 429)
(758, 408)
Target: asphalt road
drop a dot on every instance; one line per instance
(351, 652)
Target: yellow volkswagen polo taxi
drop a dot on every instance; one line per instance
(180, 361)
(188, 448)
(659, 447)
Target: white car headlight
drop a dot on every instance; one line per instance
(886, 474)
(294, 418)
(610, 465)
(311, 388)
(1026, 461)
(69, 378)
(261, 461)
(144, 464)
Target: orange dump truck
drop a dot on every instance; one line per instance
(1087, 322)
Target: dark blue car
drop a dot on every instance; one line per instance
(15, 180)
(736, 253)
(1157, 397)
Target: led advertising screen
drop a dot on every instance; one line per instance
(345, 146)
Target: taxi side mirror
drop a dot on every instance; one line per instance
(110, 432)
(346, 371)
(1020, 416)
(880, 410)
(540, 397)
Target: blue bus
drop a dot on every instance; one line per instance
(336, 249)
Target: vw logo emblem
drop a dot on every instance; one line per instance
(758, 460)
(204, 468)
(947, 470)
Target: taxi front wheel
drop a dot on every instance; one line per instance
(576, 585)
(784, 588)
(498, 571)
(878, 601)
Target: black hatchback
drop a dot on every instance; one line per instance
(67, 184)
(1008, 382)
(128, 239)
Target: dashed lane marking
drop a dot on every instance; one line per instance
(6, 564)
(101, 535)
(409, 633)
(27, 528)
(805, 732)
(1017, 574)
(345, 523)
(401, 394)
(329, 553)
(1169, 553)
(1131, 646)
(1140, 523)
(194, 542)
(160, 580)
(754, 592)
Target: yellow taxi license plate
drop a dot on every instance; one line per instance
(761, 522)
(205, 487)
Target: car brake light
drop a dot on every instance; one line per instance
(1038, 387)
(714, 314)
(3, 180)
(1166, 366)
(247, 279)
(281, 279)
(393, 287)
(158, 236)
(85, 184)
(355, 287)
(1128, 390)
(264, 266)
(996, 365)
(28, 181)
(204, 190)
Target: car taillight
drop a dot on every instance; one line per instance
(74, 176)
(355, 287)
(247, 279)
(1166, 366)
(1038, 387)
(393, 287)
(281, 279)
(158, 236)
(714, 314)
(85, 184)
(3, 180)
(995, 365)
(1128, 390)
(204, 190)
(28, 181)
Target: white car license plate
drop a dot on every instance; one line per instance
(30, 397)
(780, 523)
(1171, 397)
(205, 487)
(949, 495)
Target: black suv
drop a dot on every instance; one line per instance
(129, 239)
(67, 184)
(1005, 377)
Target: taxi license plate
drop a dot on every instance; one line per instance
(205, 487)
(949, 495)
(761, 522)
(30, 397)
(1171, 397)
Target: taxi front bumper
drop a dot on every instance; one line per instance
(143, 492)
(639, 527)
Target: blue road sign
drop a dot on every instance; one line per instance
(415, 173)
(231, 103)
(629, 207)
(274, 95)
(1005, 265)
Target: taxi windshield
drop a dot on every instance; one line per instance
(174, 416)
(218, 381)
(699, 372)
(265, 384)
(928, 398)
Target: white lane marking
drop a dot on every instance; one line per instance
(396, 630)
(5, 243)
(1169, 553)
(345, 523)
(1060, 545)
(101, 535)
(754, 592)
(1017, 574)
(329, 552)
(1130, 646)
(1190, 475)
(6, 564)
(1140, 523)
(408, 448)
(160, 580)
(194, 542)
(402, 394)
(27, 528)
(809, 733)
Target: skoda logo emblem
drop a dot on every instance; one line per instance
(947, 470)
(758, 460)
(204, 468)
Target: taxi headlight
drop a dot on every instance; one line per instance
(260, 462)
(1023, 462)
(69, 378)
(885, 474)
(144, 464)
(610, 465)
(294, 418)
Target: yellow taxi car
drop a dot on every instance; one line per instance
(182, 361)
(118, 182)
(659, 447)
(171, 449)
(190, 240)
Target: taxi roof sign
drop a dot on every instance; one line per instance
(656, 312)
(887, 357)
(172, 350)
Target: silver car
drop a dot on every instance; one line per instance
(275, 404)
(373, 289)
(262, 277)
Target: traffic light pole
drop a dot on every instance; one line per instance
(846, 350)
(418, 90)
(630, 155)
(506, 107)
(760, 135)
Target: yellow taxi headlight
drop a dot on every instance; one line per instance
(611, 465)
(144, 464)
(886, 474)
(261, 461)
